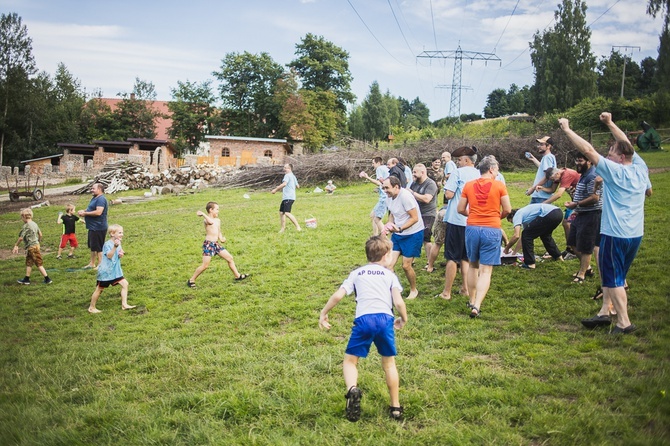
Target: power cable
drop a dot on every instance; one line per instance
(373, 34)
(503, 31)
(402, 33)
(432, 19)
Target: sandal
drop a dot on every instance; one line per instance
(353, 409)
(474, 312)
(190, 284)
(589, 273)
(396, 413)
(242, 277)
(599, 294)
(578, 279)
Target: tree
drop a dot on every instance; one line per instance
(193, 115)
(135, 113)
(663, 65)
(496, 104)
(610, 71)
(16, 65)
(375, 114)
(355, 123)
(247, 91)
(98, 121)
(660, 6)
(648, 76)
(562, 59)
(322, 107)
(323, 66)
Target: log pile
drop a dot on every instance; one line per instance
(126, 175)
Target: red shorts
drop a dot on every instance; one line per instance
(72, 238)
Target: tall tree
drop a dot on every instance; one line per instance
(375, 115)
(655, 7)
(562, 59)
(663, 62)
(296, 121)
(136, 113)
(193, 115)
(355, 123)
(16, 65)
(247, 91)
(98, 121)
(323, 66)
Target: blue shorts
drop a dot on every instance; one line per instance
(211, 249)
(369, 328)
(408, 245)
(380, 208)
(567, 214)
(483, 244)
(615, 256)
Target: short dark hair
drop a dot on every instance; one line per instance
(510, 216)
(395, 181)
(377, 159)
(210, 205)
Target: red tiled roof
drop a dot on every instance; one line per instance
(162, 124)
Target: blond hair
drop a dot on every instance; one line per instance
(113, 229)
(27, 212)
(376, 248)
(69, 207)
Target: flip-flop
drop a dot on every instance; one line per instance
(242, 277)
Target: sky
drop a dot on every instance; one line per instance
(106, 45)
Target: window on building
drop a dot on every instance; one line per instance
(268, 153)
(225, 151)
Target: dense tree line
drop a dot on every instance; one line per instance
(309, 99)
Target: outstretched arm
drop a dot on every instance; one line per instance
(582, 145)
(399, 304)
(334, 300)
(618, 134)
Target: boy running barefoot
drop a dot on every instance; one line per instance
(211, 247)
(109, 269)
(377, 291)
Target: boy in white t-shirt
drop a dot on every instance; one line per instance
(377, 291)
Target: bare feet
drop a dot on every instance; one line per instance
(444, 296)
(413, 294)
(281, 231)
(128, 307)
(299, 229)
(93, 310)
(463, 292)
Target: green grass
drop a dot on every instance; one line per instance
(244, 363)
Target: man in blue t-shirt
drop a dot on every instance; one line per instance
(288, 187)
(545, 146)
(622, 225)
(96, 223)
(536, 220)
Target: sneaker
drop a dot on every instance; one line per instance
(597, 321)
(568, 255)
(618, 330)
(59, 257)
(48, 281)
(70, 256)
(24, 281)
(353, 397)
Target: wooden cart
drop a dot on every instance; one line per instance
(36, 193)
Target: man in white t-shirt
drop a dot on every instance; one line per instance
(548, 160)
(406, 225)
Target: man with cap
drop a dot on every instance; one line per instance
(454, 243)
(545, 146)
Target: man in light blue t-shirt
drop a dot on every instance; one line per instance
(545, 146)
(288, 187)
(622, 225)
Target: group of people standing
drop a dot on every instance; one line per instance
(606, 201)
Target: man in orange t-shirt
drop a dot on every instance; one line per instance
(481, 201)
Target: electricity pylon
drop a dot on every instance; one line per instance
(458, 55)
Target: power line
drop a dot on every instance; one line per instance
(373, 34)
(432, 19)
(398, 23)
(503, 32)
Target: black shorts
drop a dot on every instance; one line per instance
(107, 283)
(428, 228)
(454, 243)
(96, 240)
(286, 205)
(584, 230)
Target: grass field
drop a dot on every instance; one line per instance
(245, 363)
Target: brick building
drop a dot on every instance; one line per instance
(239, 151)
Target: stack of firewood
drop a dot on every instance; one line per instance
(125, 175)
